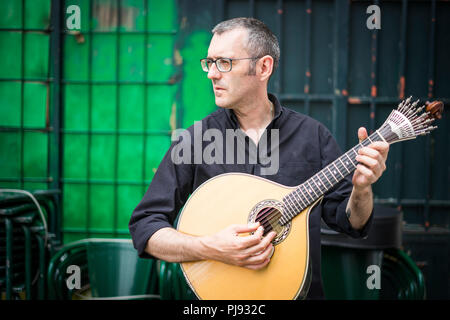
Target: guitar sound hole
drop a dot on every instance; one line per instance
(269, 218)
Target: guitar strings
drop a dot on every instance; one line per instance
(308, 197)
(269, 217)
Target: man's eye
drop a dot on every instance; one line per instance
(224, 63)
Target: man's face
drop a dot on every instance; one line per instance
(235, 87)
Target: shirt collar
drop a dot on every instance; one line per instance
(276, 104)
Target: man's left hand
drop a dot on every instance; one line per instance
(372, 162)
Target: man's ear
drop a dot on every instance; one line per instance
(265, 67)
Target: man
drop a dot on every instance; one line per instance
(242, 56)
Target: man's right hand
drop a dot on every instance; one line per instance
(231, 246)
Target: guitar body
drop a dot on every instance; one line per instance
(234, 198)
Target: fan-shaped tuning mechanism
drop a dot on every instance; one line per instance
(408, 121)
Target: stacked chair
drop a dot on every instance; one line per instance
(28, 235)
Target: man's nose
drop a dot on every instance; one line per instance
(213, 72)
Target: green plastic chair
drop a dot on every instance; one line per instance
(344, 272)
(110, 268)
(401, 278)
(74, 253)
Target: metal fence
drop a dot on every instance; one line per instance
(118, 93)
(88, 111)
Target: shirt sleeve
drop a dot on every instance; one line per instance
(335, 201)
(167, 193)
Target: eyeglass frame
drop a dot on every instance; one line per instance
(231, 62)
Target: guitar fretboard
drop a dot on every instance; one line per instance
(324, 180)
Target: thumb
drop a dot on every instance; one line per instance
(362, 134)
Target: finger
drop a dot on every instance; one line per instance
(382, 147)
(375, 164)
(260, 258)
(362, 134)
(258, 266)
(271, 235)
(371, 152)
(265, 242)
(244, 228)
(366, 172)
(368, 161)
(252, 240)
(375, 155)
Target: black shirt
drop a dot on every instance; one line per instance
(305, 146)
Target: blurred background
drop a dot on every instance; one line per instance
(86, 115)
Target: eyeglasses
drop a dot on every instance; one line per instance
(222, 64)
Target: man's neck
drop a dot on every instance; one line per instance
(255, 117)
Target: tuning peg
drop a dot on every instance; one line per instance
(435, 109)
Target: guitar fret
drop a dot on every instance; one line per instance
(327, 178)
(288, 197)
(309, 192)
(344, 165)
(380, 135)
(360, 147)
(304, 194)
(288, 212)
(340, 164)
(288, 204)
(337, 170)
(293, 202)
(350, 160)
(324, 181)
(312, 188)
(332, 174)
(300, 197)
(316, 183)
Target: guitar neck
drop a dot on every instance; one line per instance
(315, 187)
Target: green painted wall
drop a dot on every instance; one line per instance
(119, 100)
(24, 93)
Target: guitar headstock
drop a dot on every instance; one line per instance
(409, 121)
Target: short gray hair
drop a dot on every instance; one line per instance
(261, 40)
